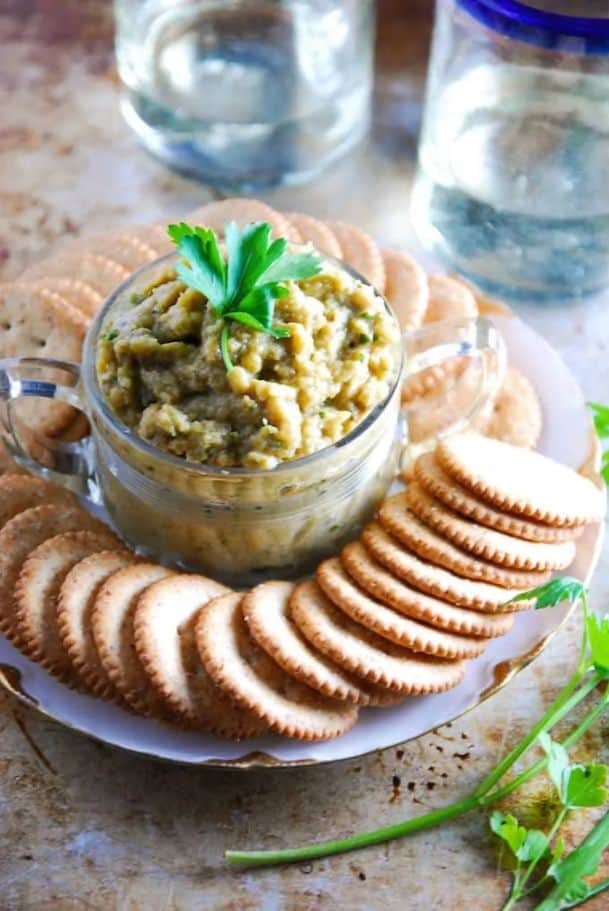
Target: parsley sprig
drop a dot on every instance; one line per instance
(243, 287)
(577, 785)
(600, 413)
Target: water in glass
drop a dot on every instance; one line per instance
(246, 92)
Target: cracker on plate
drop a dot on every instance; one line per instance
(363, 652)
(250, 677)
(524, 483)
(266, 612)
(344, 593)
(112, 628)
(485, 542)
(37, 591)
(379, 583)
(164, 636)
(75, 602)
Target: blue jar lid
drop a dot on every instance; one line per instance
(554, 31)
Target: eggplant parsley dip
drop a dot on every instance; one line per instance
(236, 368)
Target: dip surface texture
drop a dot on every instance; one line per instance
(161, 371)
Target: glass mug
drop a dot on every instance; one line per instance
(241, 525)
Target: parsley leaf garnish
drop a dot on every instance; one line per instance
(244, 287)
(563, 588)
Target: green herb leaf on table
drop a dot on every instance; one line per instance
(597, 629)
(535, 845)
(558, 848)
(568, 873)
(245, 287)
(600, 415)
(577, 785)
(509, 830)
(563, 588)
(525, 844)
(586, 786)
(605, 467)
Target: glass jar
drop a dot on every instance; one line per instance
(236, 524)
(246, 93)
(512, 187)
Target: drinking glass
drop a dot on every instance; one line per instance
(512, 187)
(246, 93)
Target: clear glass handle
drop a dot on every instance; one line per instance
(69, 464)
(442, 342)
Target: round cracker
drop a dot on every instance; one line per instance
(251, 678)
(112, 628)
(515, 415)
(164, 637)
(74, 616)
(362, 652)
(317, 233)
(435, 412)
(439, 484)
(338, 586)
(243, 211)
(519, 481)
(433, 380)
(449, 298)
(40, 291)
(76, 430)
(382, 585)
(360, 252)
(486, 542)
(405, 288)
(433, 579)
(100, 272)
(122, 247)
(22, 534)
(396, 518)
(265, 610)
(37, 590)
(19, 492)
(78, 294)
(39, 323)
(153, 235)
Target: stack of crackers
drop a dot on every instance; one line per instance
(397, 614)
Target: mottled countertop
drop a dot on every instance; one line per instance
(85, 827)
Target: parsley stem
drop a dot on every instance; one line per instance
(540, 765)
(224, 336)
(435, 817)
(522, 881)
(566, 700)
(352, 843)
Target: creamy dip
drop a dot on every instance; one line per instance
(161, 371)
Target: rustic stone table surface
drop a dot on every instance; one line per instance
(86, 827)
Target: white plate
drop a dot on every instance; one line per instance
(564, 406)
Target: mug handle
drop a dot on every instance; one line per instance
(71, 464)
(435, 344)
